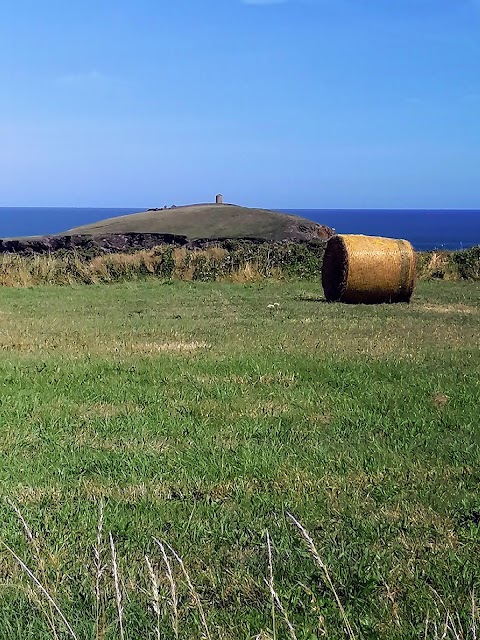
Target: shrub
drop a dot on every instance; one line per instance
(239, 260)
(468, 263)
(445, 265)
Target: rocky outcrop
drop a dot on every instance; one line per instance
(308, 232)
(92, 245)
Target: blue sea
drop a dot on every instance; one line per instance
(426, 230)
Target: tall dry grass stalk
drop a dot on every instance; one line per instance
(249, 272)
(276, 602)
(474, 617)
(40, 563)
(449, 629)
(450, 625)
(437, 263)
(118, 590)
(281, 608)
(155, 595)
(43, 590)
(193, 591)
(270, 584)
(321, 564)
(100, 568)
(173, 589)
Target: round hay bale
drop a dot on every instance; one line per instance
(366, 269)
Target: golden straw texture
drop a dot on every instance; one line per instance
(367, 269)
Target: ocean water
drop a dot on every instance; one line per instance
(425, 229)
(42, 221)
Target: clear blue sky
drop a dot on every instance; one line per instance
(294, 103)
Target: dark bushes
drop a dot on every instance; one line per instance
(446, 265)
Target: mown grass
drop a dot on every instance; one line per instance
(201, 414)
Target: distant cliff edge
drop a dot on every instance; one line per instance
(93, 245)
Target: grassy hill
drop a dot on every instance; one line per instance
(211, 221)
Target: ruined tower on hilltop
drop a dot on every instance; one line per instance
(219, 198)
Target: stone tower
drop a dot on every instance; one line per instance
(219, 198)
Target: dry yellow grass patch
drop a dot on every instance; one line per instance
(239, 407)
(267, 379)
(229, 442)
(285, 380)
(442, 538)
(448, 308)
(262, 409)
(85, 438)
(107, 410)
(17, 342)
(439, 264)
(247, 273)
(132, 493)
(160, 491)
(319, 418)
(157, 347)
(28, 494)
(85, 411)
(33, 338)
(417, 515)
(381, 344)
(258, 410)
(302, 320)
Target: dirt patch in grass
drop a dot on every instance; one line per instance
(440, 400)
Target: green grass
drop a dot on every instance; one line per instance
(201, 417)
(209, 221)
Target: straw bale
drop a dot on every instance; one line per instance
(368, 269)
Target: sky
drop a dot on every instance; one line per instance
(274, 103)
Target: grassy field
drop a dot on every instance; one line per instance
(201, 414)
